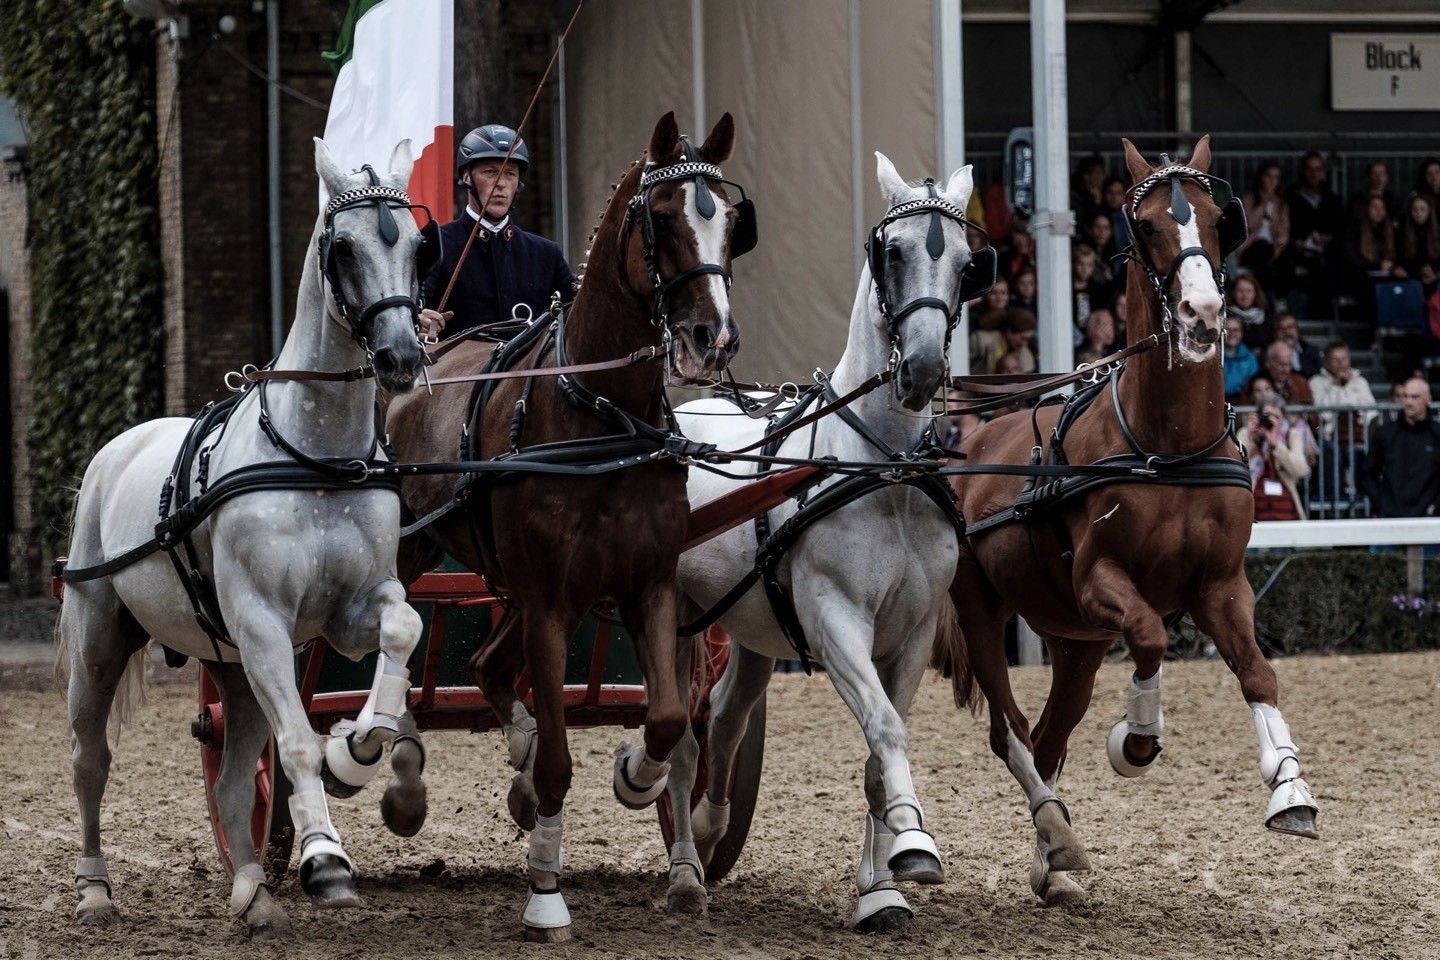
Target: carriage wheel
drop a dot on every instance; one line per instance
(711, 655)
(270, 826)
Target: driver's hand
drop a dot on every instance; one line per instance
(432, 322)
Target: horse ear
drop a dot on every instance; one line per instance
(402, 161)
(664, 140)
(720, 145)
(891, 183)
(1200, 158)
(1138, 166)
(961, 185)
(330, 173)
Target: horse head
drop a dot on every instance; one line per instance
(683, 232)
(1181, 235)
(923, 271)
(370, 261)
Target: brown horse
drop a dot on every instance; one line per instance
(1112, 559)
(658, 274)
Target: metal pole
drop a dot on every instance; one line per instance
(857, 151)
(1054, 221)
(1184, 117)
(272, 108)
(697, 55)
(950, 134)
(562, 151)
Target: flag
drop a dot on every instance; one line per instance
(394, 63)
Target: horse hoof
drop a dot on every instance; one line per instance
(1122, 761)
(917, 866)
(336, 787)
(687, 898)
(1069, 859)
(1299, 822)
(887, 921)
(1061, 891)
(330, 883)
(402, 807)
(547, 934)
(523, 801)
(104, 915)
(273, 928)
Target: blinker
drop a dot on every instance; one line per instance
(935, 236)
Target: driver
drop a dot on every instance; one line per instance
(506, 265)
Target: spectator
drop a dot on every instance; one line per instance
(1278, 463)
(991, 308)
(1239, 362)
(1117, 307)
(1377, 184)
(1342, 433)
(999, 220)
(1099, 337)
(1279, 359)
(1025, 292)
(1087, 291)
(1269, 220)
(1020, 254)
(1402, 472)
(1100, 231)
(1317, 220)
(1305, 357)
(1418, 251)
(1427, 181)
(1013, 338)
(1086, 197)
(1245, 299)
(1256, 387)
(1369, 250)
(1114, 192)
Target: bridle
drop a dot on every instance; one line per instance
(637, 213)
(1231, 227)
(428, 253)
(976, 278)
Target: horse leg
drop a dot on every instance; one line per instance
(98, 638)
(641, 771)
(734, 696)
(327, 873)
(547, 633)
(493, 669)
(1226, 613)
(686, 893)
(246, 732)
(1073, 665)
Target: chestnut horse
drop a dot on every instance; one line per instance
(658, 275)
(1118, 556)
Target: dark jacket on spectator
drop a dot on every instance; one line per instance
(1327, 217)
(1402, 471)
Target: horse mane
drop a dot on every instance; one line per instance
(600, 220)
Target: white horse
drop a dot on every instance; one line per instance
(287, 565)
(869, 582)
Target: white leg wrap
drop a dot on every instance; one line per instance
(341, 758)
(1278, 759)
(1142, 706)
(874, 856)
(873, 901)
(248, 881)
(1120, 762)
(386, 703)
(914, 841)
(546, 910)
(900, 793)
(708, 823)
(308, 809)
(90, 870)
(520, 735)
(639, 779)
(546, 853)
(684, 855)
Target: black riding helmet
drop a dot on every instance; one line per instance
(491, 142)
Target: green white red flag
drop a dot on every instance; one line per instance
(394, 62)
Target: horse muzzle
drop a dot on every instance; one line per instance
(398, 368)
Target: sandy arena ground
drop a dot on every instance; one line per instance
(1183, 866)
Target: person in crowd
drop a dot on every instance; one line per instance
(1376, 184)
(1317, 221)
(1086, 196)
(1101, 233)
(1256, 387)
(1418, 252)
(1246, 299)
(1402, 471)
(1013, 337)
(1114, 193)
(1370, 253)
(1239, 362)
(991, 308)
(1427, 181)
(1289, 383)
(1342, 432)
(1099, 337)
(1087, 291)
(1024, 293)
(1019, 255)
(506, 266)
(1278, 462)
(999, 219)
(1268, 217)
(1305, 357)
(1118, 308)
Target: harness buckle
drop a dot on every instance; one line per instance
(362, 471)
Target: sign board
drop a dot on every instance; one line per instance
(1020, 171)
(1385, 71)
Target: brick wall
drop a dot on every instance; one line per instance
(22, 551)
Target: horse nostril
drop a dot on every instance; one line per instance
(703, 338)
(385, 359)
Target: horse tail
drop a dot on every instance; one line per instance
(952, 658)
(129, 692)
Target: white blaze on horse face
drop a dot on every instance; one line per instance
(709, 248)
(1201, 302)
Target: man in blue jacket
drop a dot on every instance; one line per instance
(506, 266)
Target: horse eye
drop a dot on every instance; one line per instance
(896, 253)
(344, 247)
(1147, 228)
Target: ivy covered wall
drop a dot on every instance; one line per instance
(83, 75)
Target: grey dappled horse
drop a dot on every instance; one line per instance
(288, 565)
(869, 582)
